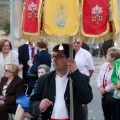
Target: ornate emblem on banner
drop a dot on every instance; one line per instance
(97, 14)
(32, 8)
(60, 17)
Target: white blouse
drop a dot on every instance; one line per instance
(4, 90)
(12, 57)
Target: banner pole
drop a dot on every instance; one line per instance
(70, 84)
(12, 22)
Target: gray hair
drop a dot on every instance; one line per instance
(45, 67)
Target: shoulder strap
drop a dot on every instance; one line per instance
(104, 75)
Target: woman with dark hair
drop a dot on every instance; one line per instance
(42, 57)
(11, 86)
(7, 55)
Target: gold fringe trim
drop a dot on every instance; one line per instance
(99, 39)
(115, 15)
(31, 38)
(66, 39)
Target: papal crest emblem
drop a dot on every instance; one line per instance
(97, 14)
(32, 8)
(61, 17)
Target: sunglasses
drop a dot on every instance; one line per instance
(7, 70)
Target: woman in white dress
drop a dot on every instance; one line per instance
(7, 55)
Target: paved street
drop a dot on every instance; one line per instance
(94, 108)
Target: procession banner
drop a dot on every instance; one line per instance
(61, 17)
(94, 22)
(31, 19)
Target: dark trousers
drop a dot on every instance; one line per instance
(5, 109)
(31, 85)
(85, 108)
(108, 110)
(117, 112)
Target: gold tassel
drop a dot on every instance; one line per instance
(110, 11)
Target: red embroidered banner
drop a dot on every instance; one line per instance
(31, 18)
(95, 17)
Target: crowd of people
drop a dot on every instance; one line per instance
(49, 91)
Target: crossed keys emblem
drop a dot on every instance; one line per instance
(32, 8)
(97, 14)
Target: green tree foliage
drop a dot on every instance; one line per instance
(6, 27)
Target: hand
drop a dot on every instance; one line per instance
(45, 103)
(116, 87)
(102, 90)
(71, 65)
(2, 102)
(118, 84)
(30, 62)
(20, 67)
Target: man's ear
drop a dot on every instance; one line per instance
(81, 42)
(113, 58)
